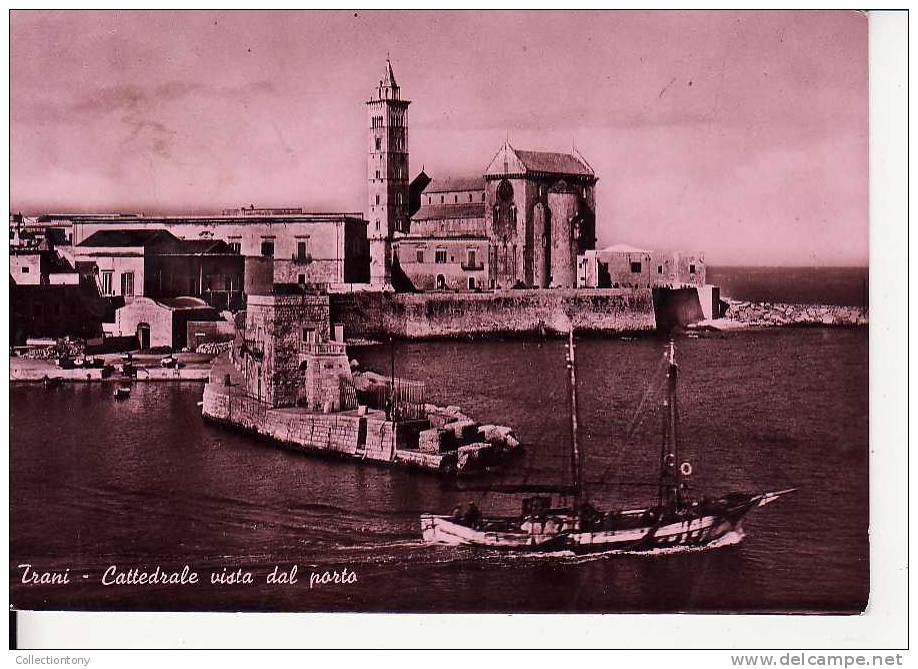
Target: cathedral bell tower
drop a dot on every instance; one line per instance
(387, 174)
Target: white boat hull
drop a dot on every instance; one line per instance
(562, 532)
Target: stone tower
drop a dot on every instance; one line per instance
(387, 174)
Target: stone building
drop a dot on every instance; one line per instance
(155, 263)
(314, 249)
(387, 174)
(51, 298)
(624, 266)
(523, 222)
(456, 262)
(163, 323)
(286, 356)
(448, 247)
(541, 214)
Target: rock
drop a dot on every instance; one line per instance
(434, 440)
(463, 430)
(471, 454)
(495, 433)
(439, 419)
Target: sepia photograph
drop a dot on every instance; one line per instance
(439, 311)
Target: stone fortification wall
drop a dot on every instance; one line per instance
(333, 433)
(420, 316)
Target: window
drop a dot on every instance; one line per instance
(440, 256)
(309, 335)
(441, 282)
(301, 279)
(379, 143)
(377, 225)
(235, 247)
(301, 250)
(25, 270)
(441, 199)
(691, 269)
(456, 198)
(127, 284)
(420, 255)
(377, 198)
(635, 268)
(472, 257)
(470, 197)
(471, 283)
(267, 248)
(107, 282)
(377, 174)
(659, 269)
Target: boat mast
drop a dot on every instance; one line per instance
(670, 472)
(576, 456)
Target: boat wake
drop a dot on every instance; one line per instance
(383, 545)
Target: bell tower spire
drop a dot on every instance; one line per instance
(387, 173)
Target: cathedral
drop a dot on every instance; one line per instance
(520, 224)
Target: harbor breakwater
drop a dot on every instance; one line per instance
(445, 441)
(511, 312)
(778, 314)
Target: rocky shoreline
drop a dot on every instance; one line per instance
(778, 314)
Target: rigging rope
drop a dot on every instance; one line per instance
(657, 380)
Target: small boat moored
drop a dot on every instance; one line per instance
(122, 392)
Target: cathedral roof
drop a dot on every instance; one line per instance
(456, 184)
(556, 163)
(435, 212)
(517, 161)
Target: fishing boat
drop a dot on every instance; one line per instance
(572, 523)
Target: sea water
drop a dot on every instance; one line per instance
(145, 483)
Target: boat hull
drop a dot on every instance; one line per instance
(563, 532)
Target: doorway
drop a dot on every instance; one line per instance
(143, 336)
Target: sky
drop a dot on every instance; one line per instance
(740, 134)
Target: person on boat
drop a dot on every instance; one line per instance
(589, 516)
(472, 515)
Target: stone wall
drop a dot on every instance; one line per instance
(772, 314)
(419, 316)
(323, 378)
(333, 433)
